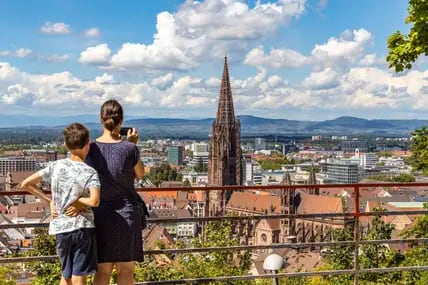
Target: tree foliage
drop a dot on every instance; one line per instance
(47, 272)
(273, 163)
(419, 148)
(7, 275)
(404, 177)
(163, 173)
(405, 49)
(209, 264)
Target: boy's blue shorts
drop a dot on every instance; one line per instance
(77, 252)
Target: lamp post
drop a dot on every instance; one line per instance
(273, 263)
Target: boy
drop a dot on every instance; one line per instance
(71, 180)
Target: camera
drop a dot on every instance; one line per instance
(124, 131)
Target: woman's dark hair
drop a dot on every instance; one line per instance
(76, 136)
(111, 114)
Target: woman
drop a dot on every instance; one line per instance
(117, 219)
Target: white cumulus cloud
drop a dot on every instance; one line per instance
(202, 29)
(277, 58)
(21, 52)
(55, 28)
(92, 33)
(343, 50)
(97, 55)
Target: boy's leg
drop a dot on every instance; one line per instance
(84, 255)
(64, 251)
(78, 280)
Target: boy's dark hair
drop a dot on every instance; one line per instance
(76, 136)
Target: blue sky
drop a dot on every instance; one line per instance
(295, 59)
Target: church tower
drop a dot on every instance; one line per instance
(287, 196)
(224, 162)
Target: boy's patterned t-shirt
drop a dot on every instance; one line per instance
(69, 181)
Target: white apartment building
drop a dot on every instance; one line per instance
(368, 160)
(393, 161)
(200, 151)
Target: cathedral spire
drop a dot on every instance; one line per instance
(225, 111)
(224, 160)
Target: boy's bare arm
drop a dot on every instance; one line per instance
(93, 200)
(30, 183)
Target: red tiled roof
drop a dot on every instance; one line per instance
(319, 204)
(253, 202)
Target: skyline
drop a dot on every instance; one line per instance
(290, 59)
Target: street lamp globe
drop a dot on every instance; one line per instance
(273, 262)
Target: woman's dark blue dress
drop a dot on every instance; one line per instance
(117, 220)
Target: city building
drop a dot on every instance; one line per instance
(200, 153)
(250, 167)
(224, 163)
(368, 160)
(175, 155)
(342, 171)
(352, 145)
(181, 229)
(17, 164)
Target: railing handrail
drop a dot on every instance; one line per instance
(261, 187)
(338, 216)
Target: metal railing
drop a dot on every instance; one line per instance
(354, 216)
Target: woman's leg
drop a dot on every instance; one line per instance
(65, 281)
(125, 273)
(102, 277)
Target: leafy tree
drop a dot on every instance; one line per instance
(47, 272)
(340, 257)
(7, 275)
(205, 264)
(273, 163)
(419, 149)
(163, 173)
(384, 154)
(418, 254)
(404, 177)
(378, 255)
(405, 49)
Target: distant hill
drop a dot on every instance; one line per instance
(201, 128)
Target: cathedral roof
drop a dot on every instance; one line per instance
(254, 202)
(311, 204)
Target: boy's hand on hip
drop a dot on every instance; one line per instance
(75, 208)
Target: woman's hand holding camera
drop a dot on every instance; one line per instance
(132, 135)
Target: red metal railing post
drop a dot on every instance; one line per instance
(356, 233)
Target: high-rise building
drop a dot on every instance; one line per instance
(224, 163)
(175, 155)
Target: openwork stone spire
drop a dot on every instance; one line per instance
(224, 164)
(225, 110)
